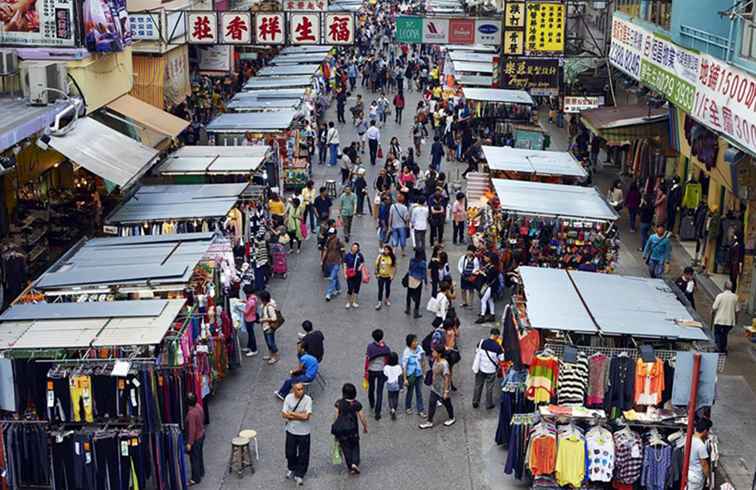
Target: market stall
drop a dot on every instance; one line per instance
(218, 164)
(313, 48)
(279, 129)
(267, 83)
(303, 58)
(473, 73)
(508, 114)
(601, 374)
(556, 167)
(550, 225)
(289, 70)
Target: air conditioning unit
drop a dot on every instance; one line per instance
(8, 62)
(38, 76)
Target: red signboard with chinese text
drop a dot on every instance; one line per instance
(304, 28)
(202, 27)
(236, 28)
(339, 29)
(270, 28)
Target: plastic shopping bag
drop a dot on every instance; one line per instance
(335, 452)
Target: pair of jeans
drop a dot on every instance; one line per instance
(333, 280)
(334, 153)
(487, 303)
(270, 341)
(310, 213)
(384, 288)
(398, 118)
(286, 386)
(376, 380)
(322, 153)
(350, 448)
(251, 340)
(197, 460)
(632, 214)
(415, 386)
(393, 399)
(347, 222)
(489, 380)
(373, 147)
(720, 336)
(398, 237)
(420, 239)
(436, 232)
(645, 229)
(433, 400)
(413, 295)
(297, 453)
(655, 268)
(459, 233)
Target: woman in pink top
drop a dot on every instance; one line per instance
(459, 213)
(406, 177)
(250, 317)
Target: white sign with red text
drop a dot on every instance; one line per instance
(236, 28)
(339, 29)
(304, 28)
(269, 28)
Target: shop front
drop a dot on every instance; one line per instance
(508, 115)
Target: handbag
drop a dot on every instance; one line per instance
(351, 272)
(428, 379)
(275, 325)
(380, 152)
(405, 280)
(432, 305)
(365, 275)
(476, 361)
(303, 229)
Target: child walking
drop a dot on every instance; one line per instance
(393, 373)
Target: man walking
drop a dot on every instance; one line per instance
(347, 208)
(195, 438)
(487, 357)
(332, 139)
(373, 136)
(296, 411)
(437, 153)
(657, 251)
(725, 310)
(419, 223)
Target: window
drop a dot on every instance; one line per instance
(748, 46)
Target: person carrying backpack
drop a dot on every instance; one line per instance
(345, 428)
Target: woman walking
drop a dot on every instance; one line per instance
(632, 201)
(490, 279)
(345, 428)
(354, 261)
(413, 364)
(250, 317)
(468, 266)
(440, 388)
(294, 215)
(459, 214)
(416, 277)
(268, 319)
(385, 269)
(438, 268)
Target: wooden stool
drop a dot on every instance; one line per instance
(241, 458)
(331, 188)
(252, 436)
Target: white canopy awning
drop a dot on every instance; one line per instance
(498, 95)
(105, 152)
(537, 162)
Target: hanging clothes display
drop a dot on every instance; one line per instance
(542, 378)
(26, 449)
(573, 380)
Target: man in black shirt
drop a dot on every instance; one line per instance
(323, 205)
(312, 342)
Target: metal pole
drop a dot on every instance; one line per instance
(691, 417)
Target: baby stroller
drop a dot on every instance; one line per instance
(280, 259)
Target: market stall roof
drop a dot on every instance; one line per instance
(20, 120)
(104, 152)
(472, 67)
(499, 95)
(256, 83)
(273, 93)
(533, 161)
(312, 48)
(478, 48)
(147, 261)
(471, 56)
(241, 122)
(538, 199)
(149, 116)
(288, 70)
(222, 151)
(177, 202)
(649, 308)
(552, 301)
(81, 325)
(304, 58)
(217, 164)
(255, 104)
(620, 125)
(466, 80)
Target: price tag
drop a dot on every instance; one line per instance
(136, 382)
(635, 452)
(77, 448)
(49, 385)
(124, 448)
(50, 399)
(133, 397)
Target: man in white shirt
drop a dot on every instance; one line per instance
(488, 355)
(296, 411)
(725, 310)
(699, 469)
(332, 140)
(373, 135)
(419, 223)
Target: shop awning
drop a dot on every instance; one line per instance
(304, 58)
(153, 203)
(313, 48)
(135, 262)
(624, 124)
(498, 95)
(20, 120)
(471, 56)
(533, 161)
(149, 116)
(473, 67)
(288, 70)
(466, 80)
(256, 83)
(241, 104)
(104, 152)
(586, 302)
(478, 48)
(538, 199)
(218, 163)
(241, 122)
(268, 94)
(89, 324)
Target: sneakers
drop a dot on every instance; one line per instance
(450, 422)
(417, 315)
(387, 303)
(251, 353)
(408, 411)
(348, 305)
(393, 414)
(378, 306)
(355, 304)
(426, 425)
(491, 318)
(481, 319)
(299, 480)
(328, 297)
(279, 395)
(422, 415)
(266, 357)
(289, 475)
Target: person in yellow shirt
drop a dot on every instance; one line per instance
(437, 92)
(277, 209)
(308, 198)
(385, 269)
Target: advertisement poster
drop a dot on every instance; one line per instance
(106, 25)
(39, 23)
(545, 27)
(339, 28)
(462, 31)
(488, 32)
(145, 27)
(436, 30)
(513, 37)
(409, 30)
(537, 75)
(215, 58)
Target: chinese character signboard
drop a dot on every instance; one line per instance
(216, 58)
(270, 28)
(202, 27)
(304, 28)
(627, 43)
(539, 76)
(236, 28)
(306, 5)
(339, 29)
(145, 27)
(578, 103)
(409, 30)
(544, 27)
(42, 23)
(513, 33)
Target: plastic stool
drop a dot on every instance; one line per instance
(252, 436)
(241, 457)
(330, 186)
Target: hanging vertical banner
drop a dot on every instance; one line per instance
(436, 30)
(462, 31)
(514, 43)
(545, 28)
(513, 33)
(339, 28)
(304, 28)
(269, 28)
(202, 27)
(236, 28)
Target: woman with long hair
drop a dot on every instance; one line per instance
(385, 269)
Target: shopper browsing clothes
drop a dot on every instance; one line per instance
(195, 438)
